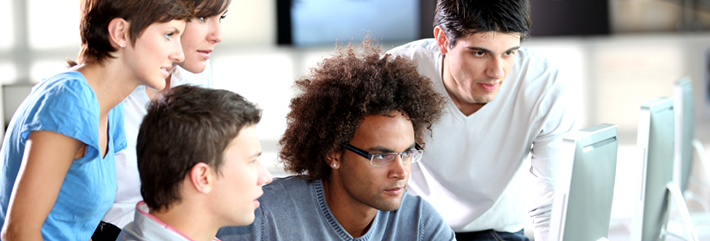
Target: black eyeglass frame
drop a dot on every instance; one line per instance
(369, 155)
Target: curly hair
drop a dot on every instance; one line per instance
(340, 92)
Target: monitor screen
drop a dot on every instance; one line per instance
(655, 140)
(684, 108)
(581, 209)
(323, 22)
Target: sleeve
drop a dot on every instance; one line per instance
(433, 227)
(70, 109)
(557, 119)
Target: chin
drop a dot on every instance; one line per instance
(158, 87)
(243, 221)
(195, 68)
(390, 205)
(484, 99)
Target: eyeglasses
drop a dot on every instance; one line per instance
(384, 159)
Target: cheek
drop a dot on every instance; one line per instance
(188, 44)
(509, 66)
(357, 179)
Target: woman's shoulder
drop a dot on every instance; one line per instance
(63, 103)
(69, 80)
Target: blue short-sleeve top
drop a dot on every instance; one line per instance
(67, 105)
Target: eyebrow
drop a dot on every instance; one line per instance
(490, 52)
(177, 31)
(255, 155)
(383, 149)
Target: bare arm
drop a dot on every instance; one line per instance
(47, 158)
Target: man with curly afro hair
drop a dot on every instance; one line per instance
(352, 136)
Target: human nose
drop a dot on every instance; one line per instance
(495, 68)
(398, 169)
(215, 35)
(176, 54)
(264, 176)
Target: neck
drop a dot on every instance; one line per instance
(466, 109)
(352, 215)
(110, 84)
(188, 220)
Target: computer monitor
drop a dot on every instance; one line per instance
(655, 140)
(684, 107)
(305, 23)
(581, 209)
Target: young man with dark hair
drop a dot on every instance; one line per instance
(353, 135)
(503, 102)
(198, 162)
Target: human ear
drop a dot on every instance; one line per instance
(333, 160)
(201, 177)
(118, 31)
(441, 40)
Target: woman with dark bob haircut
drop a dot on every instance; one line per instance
(58, 171)
(340, 93)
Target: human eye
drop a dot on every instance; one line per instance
(510, 53)
(382, 159)
(379, 157)
(169, 35)
(479, 53)
(224, 15)
(202, 19)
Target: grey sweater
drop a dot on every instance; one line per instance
(294, 209)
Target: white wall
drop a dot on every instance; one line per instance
(608, 76)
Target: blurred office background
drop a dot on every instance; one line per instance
(613, 55)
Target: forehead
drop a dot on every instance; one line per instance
(490, 38)
(169, 25)
(394, 131)
(246, 143)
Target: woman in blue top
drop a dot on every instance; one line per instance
(58, 175)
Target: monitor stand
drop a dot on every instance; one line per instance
(677, 196)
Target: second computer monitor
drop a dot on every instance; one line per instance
(685, 131)
(655, 141)
(582, 206)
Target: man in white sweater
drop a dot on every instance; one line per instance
(503, 104)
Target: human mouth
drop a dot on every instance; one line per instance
(394, 191)
(256, 200)
(488, 87)
(204, 53)
(166, 71)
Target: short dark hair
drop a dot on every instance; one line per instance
(340, 92)
(97, 14)
(209, 8)
(187, 126)
(465, 17)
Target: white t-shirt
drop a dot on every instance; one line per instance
(128, 193)
(473, 168)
